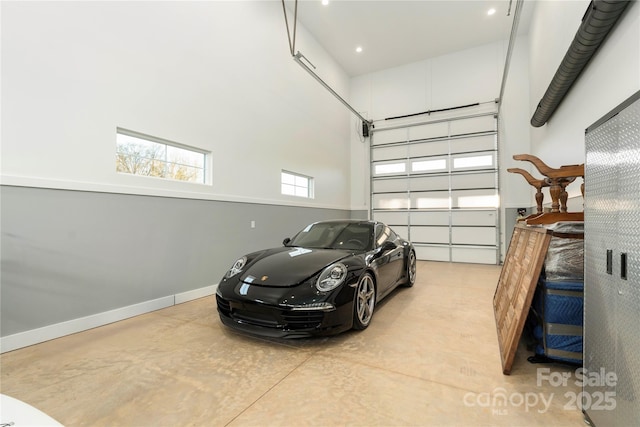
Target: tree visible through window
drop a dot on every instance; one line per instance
(139, 154)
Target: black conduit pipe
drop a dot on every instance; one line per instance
(597, 22)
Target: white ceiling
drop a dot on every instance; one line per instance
(397, 32)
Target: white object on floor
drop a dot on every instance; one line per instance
(16, 413)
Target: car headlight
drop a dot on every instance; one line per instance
(331, 277)
(236, 267)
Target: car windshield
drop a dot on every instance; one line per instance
(335, 235)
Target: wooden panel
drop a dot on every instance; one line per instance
(516, 285)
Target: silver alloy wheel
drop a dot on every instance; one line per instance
(365, 300)
(412, 268)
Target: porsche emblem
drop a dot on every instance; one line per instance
(264, 278)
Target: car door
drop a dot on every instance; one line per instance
(389, 258)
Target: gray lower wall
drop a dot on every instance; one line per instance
(70, 254)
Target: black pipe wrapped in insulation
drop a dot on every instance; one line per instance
(597, 22)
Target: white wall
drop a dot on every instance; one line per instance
(611, 76)
(213, 75)
(514, 128)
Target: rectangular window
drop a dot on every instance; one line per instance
(294, 184)
(473, 162)
(429, 165)
(139, 154)
(390, 168)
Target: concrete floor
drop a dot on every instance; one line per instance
(429, 358)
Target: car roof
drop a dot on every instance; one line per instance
(347, 221)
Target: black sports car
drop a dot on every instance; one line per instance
(325, 280)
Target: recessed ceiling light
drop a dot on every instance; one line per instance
(359, 49)
(491, 11)
(325, 2)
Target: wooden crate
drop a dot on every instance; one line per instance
(516, 286)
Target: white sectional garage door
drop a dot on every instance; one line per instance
(436, 183)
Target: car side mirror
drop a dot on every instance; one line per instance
(286, 241)
(388, 246)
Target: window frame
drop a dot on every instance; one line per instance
(309, 187)
(165, 144)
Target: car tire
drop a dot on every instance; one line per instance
(364, 302)
(411, 270)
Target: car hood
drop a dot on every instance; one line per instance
(289, 266)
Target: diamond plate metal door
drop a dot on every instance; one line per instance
(628, 304)
(601, 186)
(612, 273)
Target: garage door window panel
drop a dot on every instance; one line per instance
(473, 236)
(390, 168)
(473, 125)
(391, 136)
(390, 152)
(433, 252)
(424, 234)
(474, 180)
(429, 148)
(390, 186)
(390, 201)
(473, 144)
(430, 200)
(429, 131)
(429, 183)
(429, 218)
(474, 162)
(474, 254)
(474, 217)
(429, 165)
(393, 219)
(449, 181)
(475, 199)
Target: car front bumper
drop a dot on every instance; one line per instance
(263, 319)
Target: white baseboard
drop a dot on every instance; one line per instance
(195, 294)
(46, 333)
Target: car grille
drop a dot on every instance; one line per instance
(256, 318)
(223, 305)
(302, 319)
(269, 317)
